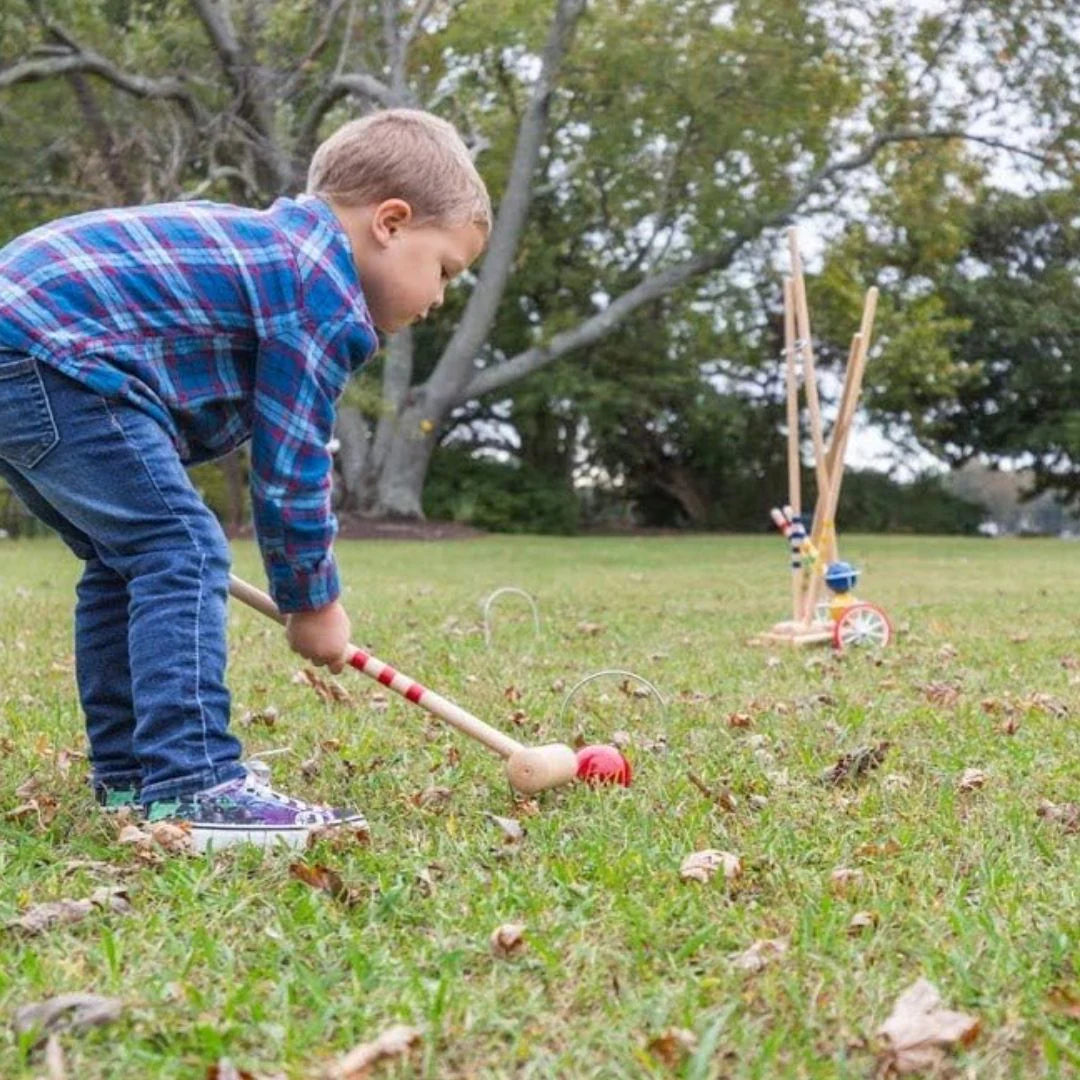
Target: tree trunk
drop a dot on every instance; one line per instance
(399, 486)
(353, 432)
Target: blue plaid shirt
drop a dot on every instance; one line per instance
(222, 323)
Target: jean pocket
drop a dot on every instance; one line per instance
(27, 426)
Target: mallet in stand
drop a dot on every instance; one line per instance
(530, 769)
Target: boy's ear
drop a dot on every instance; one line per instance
(390, 216)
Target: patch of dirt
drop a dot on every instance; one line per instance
(355, 527)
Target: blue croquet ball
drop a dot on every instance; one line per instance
(841, 576)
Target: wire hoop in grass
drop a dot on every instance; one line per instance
(502, 592)
(614, 671)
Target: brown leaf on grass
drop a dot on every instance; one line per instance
(941, 693)
(1009, 726)
(860, 921)
(512, 831)
(163, 836)
(325, 880)
(42, 917)
(844, 879)
(394, 1042)
(507, 940)
(327, 690)
(43, 807)
(1071, 663)
(590, 629)
(858, 763)
(432, 797)
(339, 837)
(65, 1012)
(226, 1070)
(1067, 815)
(1044, 703)
(702, 865)
(1064, 1001)
(759, 954)
(919, 1032)
(874, 849)
(267, 717)
(512, 694)
(739, 720)
(672, 1047)
(971, 780)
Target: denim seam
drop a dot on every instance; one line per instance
(202, 566)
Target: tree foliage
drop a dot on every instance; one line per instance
(644, 155)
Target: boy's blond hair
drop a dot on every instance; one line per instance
(402, 154)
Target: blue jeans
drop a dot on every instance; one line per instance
(150, 615)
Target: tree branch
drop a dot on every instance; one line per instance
(255, 104)
(596, 326)
(455, 365)
(93, 64)
(359, 83)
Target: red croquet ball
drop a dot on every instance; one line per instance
(603, 764)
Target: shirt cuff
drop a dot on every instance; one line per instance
(297, 588)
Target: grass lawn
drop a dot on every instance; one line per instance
(233, 956)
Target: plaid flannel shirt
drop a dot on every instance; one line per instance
(222, 323)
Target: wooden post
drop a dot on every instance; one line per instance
(794, 457)
(825, 530)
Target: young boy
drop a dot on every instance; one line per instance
(134, 342)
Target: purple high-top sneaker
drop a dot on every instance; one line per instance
(248, 810)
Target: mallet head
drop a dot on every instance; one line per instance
(536, 768)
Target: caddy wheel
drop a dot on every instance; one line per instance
(862, 625)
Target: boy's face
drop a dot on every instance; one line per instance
(406, 271)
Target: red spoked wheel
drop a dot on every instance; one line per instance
(861, 626)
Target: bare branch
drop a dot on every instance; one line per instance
(52, 191)
(455, 365)
(596, 326)
(93, 64)
(255, 104)
(359, 83)
(322, 39)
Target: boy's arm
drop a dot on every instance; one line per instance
(297, 382)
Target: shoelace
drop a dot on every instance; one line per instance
(257, 781)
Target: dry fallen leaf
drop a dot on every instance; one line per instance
(1067, 815)
(590, 629)
(701, 865)
(433, 797)
(41, 917)
(226, 1070)
(672, 1046)
(507, 940)
(327, 690)
(394, 1042)
(759, 954)
(919, 1032)
(856, 764)
(843, 879)
(65, 1012)
(862, 920)
(971, 779)
(739, 720)
(325, 880)
(941, 693)
(513, 833)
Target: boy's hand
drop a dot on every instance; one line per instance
(321, 636)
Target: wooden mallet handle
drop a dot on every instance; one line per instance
(530, 769)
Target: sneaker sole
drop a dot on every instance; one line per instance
(219, 837)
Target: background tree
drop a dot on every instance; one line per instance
(639, 154)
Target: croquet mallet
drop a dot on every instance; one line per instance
(530, 769)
